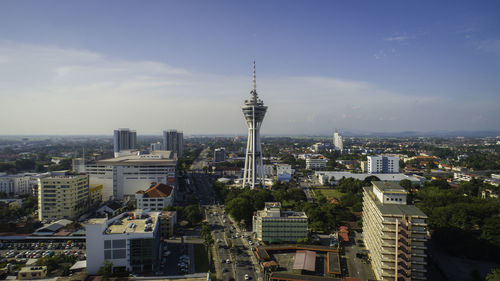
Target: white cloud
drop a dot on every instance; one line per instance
(399, 38)
(489, 46)
(55, 90)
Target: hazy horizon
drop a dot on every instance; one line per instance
(80, 68)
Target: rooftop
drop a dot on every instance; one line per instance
(305, 260)
(395, 209)
(158, 157)
(158, 190)
(130, 224)
(388, 186)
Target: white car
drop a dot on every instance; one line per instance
(247, 277)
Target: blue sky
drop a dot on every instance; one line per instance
(152, 65)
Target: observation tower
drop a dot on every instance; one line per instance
(254, 112)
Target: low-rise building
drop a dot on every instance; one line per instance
(274, 225)
(155, 198)
(394, 233)
(32, 272)
(284, 172)
(168, 219)
(316, 163)
(95, 193)
(130, 241)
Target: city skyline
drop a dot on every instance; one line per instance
(91, 67)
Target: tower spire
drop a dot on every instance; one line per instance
(254, 79)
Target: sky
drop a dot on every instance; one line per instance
(89, 67)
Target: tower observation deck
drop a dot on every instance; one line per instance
(254, 112)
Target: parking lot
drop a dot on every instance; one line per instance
(21, 251)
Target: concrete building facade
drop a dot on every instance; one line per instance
(155, 198)
(20, 184)
(316, 163)
(219, 155)
(124, 139)
(274, 225)
(124, 176)
(168, 219)
(130, 241)
(338, 142)
(382, 165)
(62, 197)
(394, 233)
(173, 140)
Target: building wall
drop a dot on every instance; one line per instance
(119, 181)
(63, 197)
(102, 246)
(382, 165)
(383, 238)
(173, 141)
(154, 204)
(95, 193)
(315, 164)
(124, 139)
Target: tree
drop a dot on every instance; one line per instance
(494, 275)
(105, 270)
(406, 184)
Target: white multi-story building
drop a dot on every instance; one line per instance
(156, 146)
(284, 172)
(394, 233)
(337, 141)
(316, 163)
(382, 165)
(124, 176)
(274, 225)
(131, 241)
(20, 184)
(269, 171)
(155, 198)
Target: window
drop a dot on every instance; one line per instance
(119, 243)
(107, 254)
(119, 254)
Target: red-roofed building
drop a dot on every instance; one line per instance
(155, 198)
(344, 234)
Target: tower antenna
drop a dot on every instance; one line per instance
(254, 78)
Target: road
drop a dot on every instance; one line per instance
(357, 267)
(305, 186)
(228, 247)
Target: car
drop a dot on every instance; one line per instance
(247, 277)
(228, 261)
(222, 261)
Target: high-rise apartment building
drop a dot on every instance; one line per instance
(219, 155)
(274, 225)
(173, 140)
(337, 141)
(63, 197)
(382, 165)
(124, 139)
(254, 112)
(394, 233)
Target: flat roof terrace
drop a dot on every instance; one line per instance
(129, 225)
